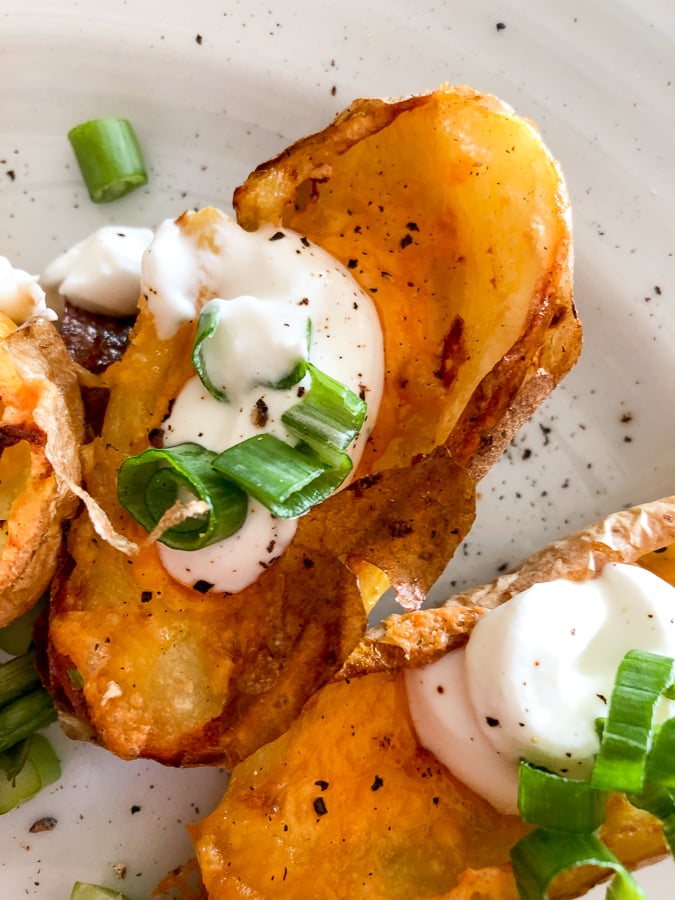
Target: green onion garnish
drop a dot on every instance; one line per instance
(286, 480)
(207, 325)
(151, 483)
(542, 855)
(629, 727)
(27, 760)
(555, 802)
(17, 637)
(83, 890)
(290, 480)
(328, 418)
(660, 768)
(18, 676)
(109, 158)
(35, 767)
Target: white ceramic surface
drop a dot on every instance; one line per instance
(214, 88)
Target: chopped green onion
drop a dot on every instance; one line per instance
(660, 802)
(285, 479)
(14, 759)
(39, 767)
(660, 768)
(17, 637)
(17, 677)
(24, 716)
(628, 731)
(207, 325)
(542, 855)
(206, 328)
(558, 803)
(329, 416)
(151, 483)
(82, 890)
(109, 158)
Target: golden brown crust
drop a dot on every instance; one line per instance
(631, 536)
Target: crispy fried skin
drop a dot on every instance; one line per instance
(41, 429)
(348, 804)
(465, 248)
(449, 209)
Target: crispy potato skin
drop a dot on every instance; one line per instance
(465, 249)
(450, 211)
(188, 677)
(41, 429)
(397, 825)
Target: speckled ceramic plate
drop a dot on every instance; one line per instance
(216, 87)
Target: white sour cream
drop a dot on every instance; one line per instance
(534, 676)
(21, 297)
(275, 280)
(101, 274)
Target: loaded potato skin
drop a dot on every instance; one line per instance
(449, 211)
(349, 803)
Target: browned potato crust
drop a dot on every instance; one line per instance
(449, 209)
(468, 260)
(41, 429)
(348, 804)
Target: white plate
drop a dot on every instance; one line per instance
(216, 87)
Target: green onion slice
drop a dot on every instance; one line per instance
(22, 717)
(287, 480)
(660, 767)
(558, 803)
(83, 890)
(629, 727)
(18, 676)
(328, 418)
(17, 637)
(109, 158)
(542, 855)
(151, 483)
(36, 766)
(207, 325)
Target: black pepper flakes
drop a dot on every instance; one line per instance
(11, 174)
(323, 785)
(377, 783)
(405, 241)
(146, 596)
(201, 586)
(492, 723)
(135, 809)
(500, 26)
(319, 805)
(199, 39)
(277, 236)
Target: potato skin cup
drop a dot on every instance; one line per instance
(188, 677)
(347, 803)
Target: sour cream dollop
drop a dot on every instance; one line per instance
(535, 675)
(280, 295)
(101, 274)
(21, 297)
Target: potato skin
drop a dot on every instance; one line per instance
(451, 212)
(41, 430)
(468, 261)
(397, 825)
